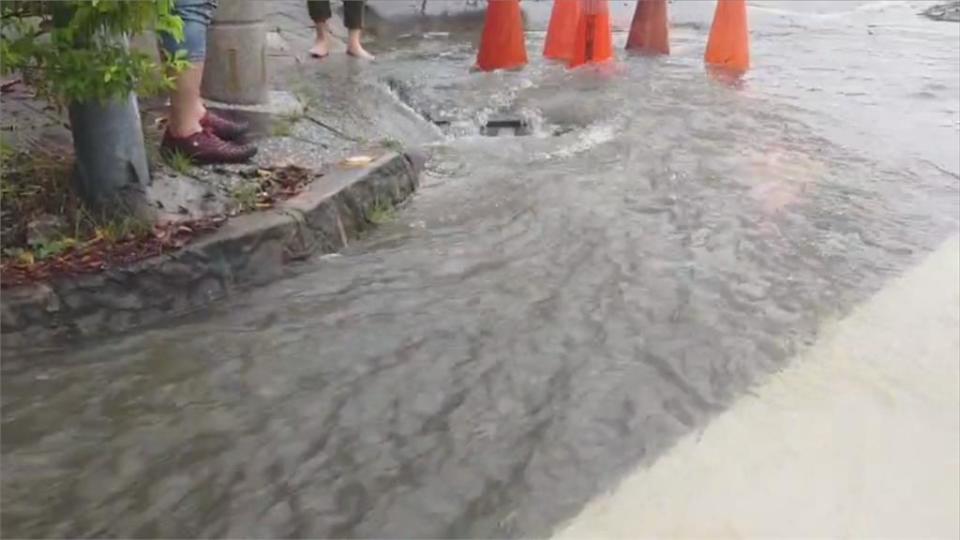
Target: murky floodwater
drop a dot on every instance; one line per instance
(547, 312)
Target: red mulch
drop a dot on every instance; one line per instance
(101, 254)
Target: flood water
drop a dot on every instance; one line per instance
(547, 312)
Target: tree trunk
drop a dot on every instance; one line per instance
(111, 170)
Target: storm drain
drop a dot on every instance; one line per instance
(504, 124)
(506, 127)
(500, 126)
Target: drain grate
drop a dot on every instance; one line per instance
(506, 127)
(501, 126)
(507, 124)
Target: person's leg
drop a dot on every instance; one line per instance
(190, 128)
(186, 107)
(319, 12)
(353, 20)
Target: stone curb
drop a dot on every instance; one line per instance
(248, 250)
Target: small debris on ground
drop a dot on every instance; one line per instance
(271, 185)
(358, 161)
(7, 86)
(102, 252)
(44, 228)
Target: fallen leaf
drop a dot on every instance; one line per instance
(27, 258)
(357, 161)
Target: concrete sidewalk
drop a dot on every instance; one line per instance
(859, 438)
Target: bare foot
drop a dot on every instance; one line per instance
(357, 51)
(319, 49)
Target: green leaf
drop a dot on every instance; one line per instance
(84, 55)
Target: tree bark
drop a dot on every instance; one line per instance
(111, 171)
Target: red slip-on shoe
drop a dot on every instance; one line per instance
(227, 130)
(205, 147)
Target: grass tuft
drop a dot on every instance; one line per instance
(391, 144)
(178, 161)
(247, 196)
(381, 212)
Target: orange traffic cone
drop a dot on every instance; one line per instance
(729, 44)
(594, 43)
(649, 32)
(562, 32)
(502, 45)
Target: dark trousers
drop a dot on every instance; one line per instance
(352, 12)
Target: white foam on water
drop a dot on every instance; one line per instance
(858, 438)
(586, 139)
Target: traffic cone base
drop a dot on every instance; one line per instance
(502, 45)
(562, 32)
(729, 44)
(649, 31)
(594, 43)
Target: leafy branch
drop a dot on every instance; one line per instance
(77, 50)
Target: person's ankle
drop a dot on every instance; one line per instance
(183, 132)
(321, 31)
(357, 50)
(320, 47)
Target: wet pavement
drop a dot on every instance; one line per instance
(549, 312)
(859, 437)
